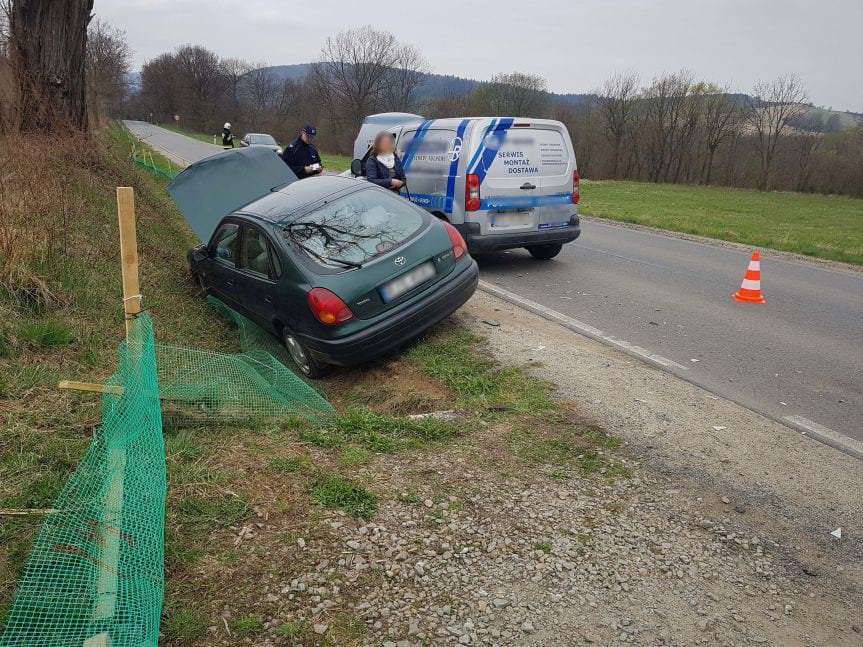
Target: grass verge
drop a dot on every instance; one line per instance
(829, 227)
(207, 139)
(239, 495)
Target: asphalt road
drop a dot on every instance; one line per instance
(798, 356)
(183, 150)
(798, 359)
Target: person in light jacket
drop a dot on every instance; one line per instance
(227, 136)
(383, 166)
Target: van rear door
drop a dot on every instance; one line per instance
(556, 164)
(507, 163)
(525, 170)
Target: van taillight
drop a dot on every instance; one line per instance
(576, 187)
(328, 308)
(471, 193)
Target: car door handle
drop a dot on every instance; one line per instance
(527, 186)
(268, 299)
(229, 283)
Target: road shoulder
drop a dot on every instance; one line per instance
(721, 457)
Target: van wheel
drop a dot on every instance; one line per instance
(544, 252)
(302, 358)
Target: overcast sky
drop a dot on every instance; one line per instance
(574, 44)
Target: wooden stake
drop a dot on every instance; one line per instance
(100, 640)
(107, 581)
(116, 389)
(90, 386)
(25, 512)
(128, 254)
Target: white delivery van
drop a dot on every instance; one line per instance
(503, 182)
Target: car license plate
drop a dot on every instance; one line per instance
(407, 281)
(512, 219)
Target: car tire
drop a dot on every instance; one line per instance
(544, 252)
(306, 364)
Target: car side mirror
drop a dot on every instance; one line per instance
(200, 254)
(357, 168)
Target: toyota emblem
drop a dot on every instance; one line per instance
(400, 260)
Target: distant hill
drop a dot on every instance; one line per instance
(433, 85)
(446, 85)
(294, 72)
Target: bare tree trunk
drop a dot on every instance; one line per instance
(617, 104)
(807, 144)
(768, 114)
(711, 152)
(49, 41)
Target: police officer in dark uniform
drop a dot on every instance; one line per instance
(302, 156)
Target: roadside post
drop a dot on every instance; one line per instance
(108, 578)
(107, 581)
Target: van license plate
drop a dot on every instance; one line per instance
(512, 219)
(407, 281)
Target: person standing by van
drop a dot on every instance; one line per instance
(383, 166)
(301, 155)
(227, 136)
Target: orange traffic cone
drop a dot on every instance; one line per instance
(750, 289)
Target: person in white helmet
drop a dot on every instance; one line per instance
(227, 136)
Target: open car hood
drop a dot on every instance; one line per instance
(218, 185)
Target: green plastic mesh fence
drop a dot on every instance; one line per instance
(147, 162)
(96, 570)
(251, 384)
(95, 577)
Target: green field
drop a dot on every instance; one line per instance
(828, 227)
(191, 133)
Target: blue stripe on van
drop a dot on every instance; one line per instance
(488, 155)
(524, 201)
(481, 147)
(412, 147)
(428, 201)
(453, 169)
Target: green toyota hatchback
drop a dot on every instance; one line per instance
(339, 269)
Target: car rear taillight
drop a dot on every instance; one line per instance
(328, 308)
(471, 193)
(458, 245)
(576, 187)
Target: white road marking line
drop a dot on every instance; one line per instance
(826, 434)
(580, 326)
(813, 429)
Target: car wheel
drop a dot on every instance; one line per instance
(302, 358)
(544, 252)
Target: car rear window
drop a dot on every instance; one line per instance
(354, 229)
(527, 152)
